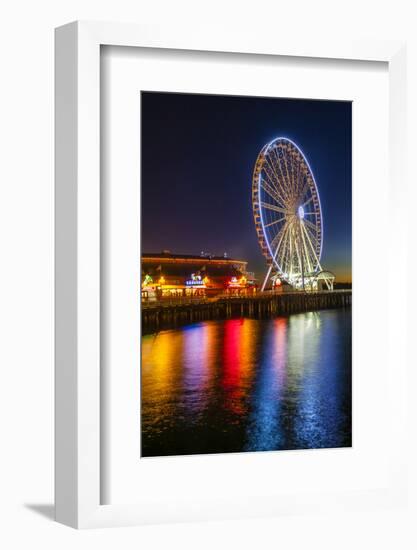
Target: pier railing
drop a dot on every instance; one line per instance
(266, 295)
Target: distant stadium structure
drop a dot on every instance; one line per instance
(288, 217)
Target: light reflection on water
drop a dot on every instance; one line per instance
(248, 385)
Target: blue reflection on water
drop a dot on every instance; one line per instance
(265, 427)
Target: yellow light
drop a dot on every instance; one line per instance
(206, 280)
(147, 281)
(162, 280)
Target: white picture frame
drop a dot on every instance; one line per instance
(78, 406)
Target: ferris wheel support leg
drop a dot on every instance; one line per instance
(266, 278)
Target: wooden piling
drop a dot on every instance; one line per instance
(156, 317)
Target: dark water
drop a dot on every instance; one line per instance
(248, 385)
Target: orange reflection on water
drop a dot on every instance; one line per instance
(160, 354)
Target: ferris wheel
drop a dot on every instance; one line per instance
(288, 216)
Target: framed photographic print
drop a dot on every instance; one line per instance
(218, 351)
(235, 360)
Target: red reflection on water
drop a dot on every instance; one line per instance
(280, 348)
(231, 341)
(238, 342)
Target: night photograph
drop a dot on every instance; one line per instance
(246, 275)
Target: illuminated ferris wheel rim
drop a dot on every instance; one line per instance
(282, 138)
(278, 176)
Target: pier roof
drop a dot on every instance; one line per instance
(194, 258)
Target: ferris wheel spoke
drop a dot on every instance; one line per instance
(300, 172)
(307, 202)
(305, 249)
(301, 187)
(274, 222)
(290, 257)
(314, 240)
(300, 261)
(312, 234)
(276, 178)
(274, 184)
(310, 224)
(271, 168)
(271, 192)
(277, 159)
(301, 252)
(281, 178)
(273, 207)
(305, 189)
(296, 175)
(306, 261)
(278, 239)
(289, 174)
(311, 245)
(285, 259)
(286, 176)
(304, 229)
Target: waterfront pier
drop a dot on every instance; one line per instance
(171, 314)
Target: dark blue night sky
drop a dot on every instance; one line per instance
(198, 154)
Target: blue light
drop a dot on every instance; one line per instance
(300, 212)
